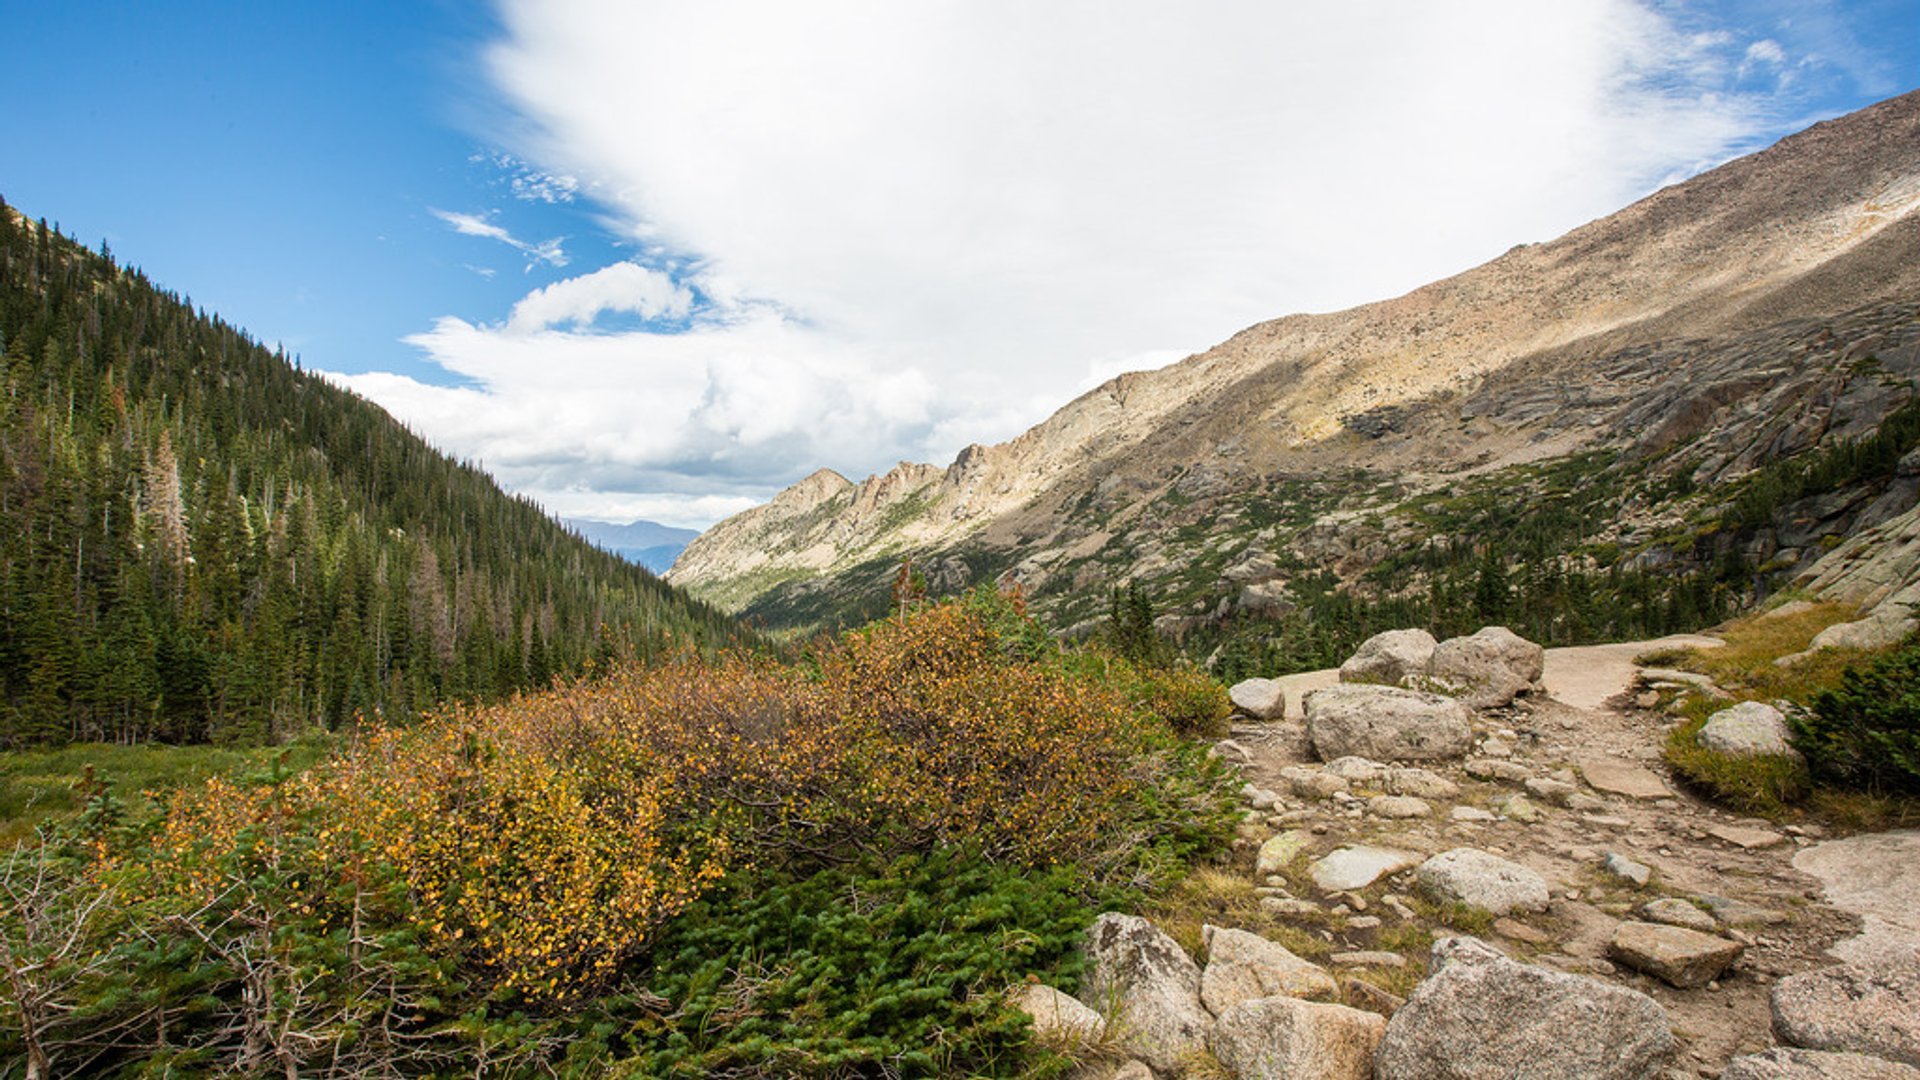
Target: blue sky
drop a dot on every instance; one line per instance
(659, 260)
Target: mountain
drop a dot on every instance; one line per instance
(1636, 370)
(643, 543)
(203, 543)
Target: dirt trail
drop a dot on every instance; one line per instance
(1585, 764)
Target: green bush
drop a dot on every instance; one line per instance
(1866, 733)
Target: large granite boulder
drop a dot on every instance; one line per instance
(1280, 1038)
(1748, 729)
(1479, 1014)
(1242, 966)
(1393, 658)
(1151, 987)
(1488, 668)
(1865, 1008)
(1386, 723)
(1262, 699)
(1488, 882)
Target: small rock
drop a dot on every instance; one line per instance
(1510, 772)
(1585, 803)
(1481, 880)
(1673, 911)
(1133, 1070)
(1057, 1017)
(1242, 966)
(1747, 838)
(1279, 852)
(1259, 798)
(1279, 1038)
(1363, 922)
(1315, 784)
(1355, 769)
(1362, 994)
(1369, 958)
(1791, 1063)
(1626, 869)
(1647, 699)
(1358, 867)
(1680, 957)
(1495, 747)
(1557, 792)
(1399, 807)
(1605, 821)
(1262, 699)
(1421, 783)
(1868, 1009)
(1231, 751)
(1623, 778)
(1749, 729)
(1519, 808)
(1289, 908)
(1515, 930)
(1739, 912)
(1471, 813)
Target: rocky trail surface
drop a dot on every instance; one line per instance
(1550, 832)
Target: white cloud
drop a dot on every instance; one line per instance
(544, 251)
(1766, 51)
(919, 225)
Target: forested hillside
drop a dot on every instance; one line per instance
(203, 543)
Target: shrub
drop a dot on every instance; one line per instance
(1866, 732)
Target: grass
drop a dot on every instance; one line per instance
(38, 787)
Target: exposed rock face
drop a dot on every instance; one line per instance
(1673, 954)
(1262, 699)
(1243, 966)
(1791, 1063)
(1386, 723)
(1748, 729)
(1876, 876)
(1153, 986)
(1866, 1009)
(1488, 668)
(1393, 658)
(1488, 882)
(1057, 1017)
(1480, 1014)
(1279, 1038)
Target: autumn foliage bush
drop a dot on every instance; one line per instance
(496, 877)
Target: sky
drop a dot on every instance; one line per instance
(659, 260)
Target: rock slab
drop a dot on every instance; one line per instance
(1478, 879)
(1792, 1063)
(1242, 966)
(1673, 954)
(1480, 1014)
(1358, 867)
(1151, 987)
(1386, 723)
(1864, 1008)
(1280, 1038)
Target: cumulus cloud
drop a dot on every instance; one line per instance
(545, 251)
(920, 225)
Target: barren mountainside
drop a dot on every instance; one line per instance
(1713, 327)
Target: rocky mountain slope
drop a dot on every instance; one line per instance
(1765, 309)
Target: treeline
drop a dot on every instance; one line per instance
(202, 543)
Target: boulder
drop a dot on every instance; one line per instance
(1399, 806)
(1279, 851)
(1864, 1008)
(1141, 978)
(1489, 668)
(1358, 866)
(1279, 1038)
(1056, 1017)
(1395, 658)
(1673, 954)
(1748, 729)
(1674, 911)
(1421, 783)
(1477, 879)
(1479, 1014)
(1792, 1063)
(1243, 966)
(1262, 699)
(1386, 723)
(1355, 770)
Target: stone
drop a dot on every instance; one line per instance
(1364, 995)
(1673, 911)
(1739, 912)
(1519, 808)
(1386, 723)
(1262, 699)
(1313, 783)
(1617, 777)
(1471, 813)
(1056, 1017)
(1358, 866)
(1151, 987)
(1864, 1008)
(1558, 792)
(1279, 851)
(1399, 806)
(1515, 930)
(1675, 955)
(1133, 1070)
(1479, 1014)
(1875, 876)
(1749, 839)
(1879, 630)
(1489, 668)
(1749, 729)
(1242, 966)
(1478, 879)
(1421, 783)
(1259, 798)
(1393, 658)
(1355, 770)
(1510, 772)
(1289, 907)
(1281, 1038)
(1793, 1063)
(1627, 869)
(1369, 958)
